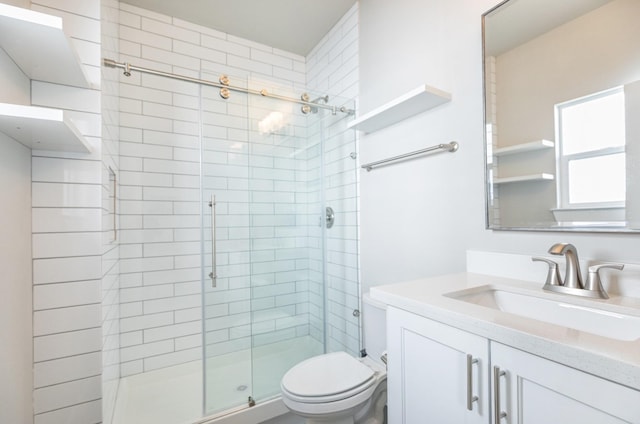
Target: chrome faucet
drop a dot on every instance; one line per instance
(572, 277)
(572, 283)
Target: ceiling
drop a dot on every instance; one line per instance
(295, 26)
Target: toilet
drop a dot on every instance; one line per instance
(336, 388)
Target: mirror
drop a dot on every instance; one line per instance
(562, 115)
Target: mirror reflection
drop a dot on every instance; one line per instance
(562, 109)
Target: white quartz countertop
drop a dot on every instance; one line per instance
(612, 359)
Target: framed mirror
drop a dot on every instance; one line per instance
(562, 115)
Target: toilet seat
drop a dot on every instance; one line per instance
(328, 378)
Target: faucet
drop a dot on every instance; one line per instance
(572, 278)
(572, 283)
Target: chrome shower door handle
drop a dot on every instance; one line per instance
(470, 397)
(213, 274)
(498, 415)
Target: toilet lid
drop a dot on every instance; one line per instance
(326, 375)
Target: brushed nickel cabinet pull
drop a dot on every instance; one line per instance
(470, 397)
(497, 413)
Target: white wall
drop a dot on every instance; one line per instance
(419, 217)
(16, 353)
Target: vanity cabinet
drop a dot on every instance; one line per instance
(534, 390)
(431, 380)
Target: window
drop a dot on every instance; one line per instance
(591, 151)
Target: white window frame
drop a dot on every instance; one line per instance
(562, 161)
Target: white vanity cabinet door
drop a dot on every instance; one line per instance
(427, 372)
(534, 390)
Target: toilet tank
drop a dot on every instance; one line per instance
(374, 323)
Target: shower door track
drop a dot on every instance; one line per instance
(224, 86)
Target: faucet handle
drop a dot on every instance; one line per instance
(594, 283)
(553, 275)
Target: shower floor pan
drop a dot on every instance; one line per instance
(173, 395)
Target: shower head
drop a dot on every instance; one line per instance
(325, 99)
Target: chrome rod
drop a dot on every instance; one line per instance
(213, 274)
(470, 397)
(127, 67)
(497, 414)
(449, 147)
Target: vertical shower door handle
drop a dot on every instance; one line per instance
(213, 274)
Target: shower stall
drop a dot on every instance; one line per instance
(239, 246)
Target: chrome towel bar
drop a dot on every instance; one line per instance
(449, 147)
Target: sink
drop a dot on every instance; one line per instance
(589, 319)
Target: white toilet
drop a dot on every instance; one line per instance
(337, 388)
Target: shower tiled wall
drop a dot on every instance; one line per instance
(160, 282)
(159, 193)
(67, 240)
(160, 217)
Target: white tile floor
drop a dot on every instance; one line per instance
(174, 395)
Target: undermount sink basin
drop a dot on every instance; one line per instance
(594, 320)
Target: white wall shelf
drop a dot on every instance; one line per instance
(42, 128)
(524, 178)
(524, 147)
(38, 45)
(412, 103)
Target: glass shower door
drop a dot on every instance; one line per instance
(304, 276)
(287, 296)
(226, 301)
(286, 287)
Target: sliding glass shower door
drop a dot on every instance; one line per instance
(286, 286)
(226, 249)
(287, 258)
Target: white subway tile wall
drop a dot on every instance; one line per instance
(266, 179)
(69, 255)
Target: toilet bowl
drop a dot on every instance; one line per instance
(336, 388)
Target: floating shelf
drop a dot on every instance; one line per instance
(38, 45)
(525, 147)
(412, 103)
(41, 128)
(524, 178)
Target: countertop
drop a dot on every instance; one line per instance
(614, 360)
